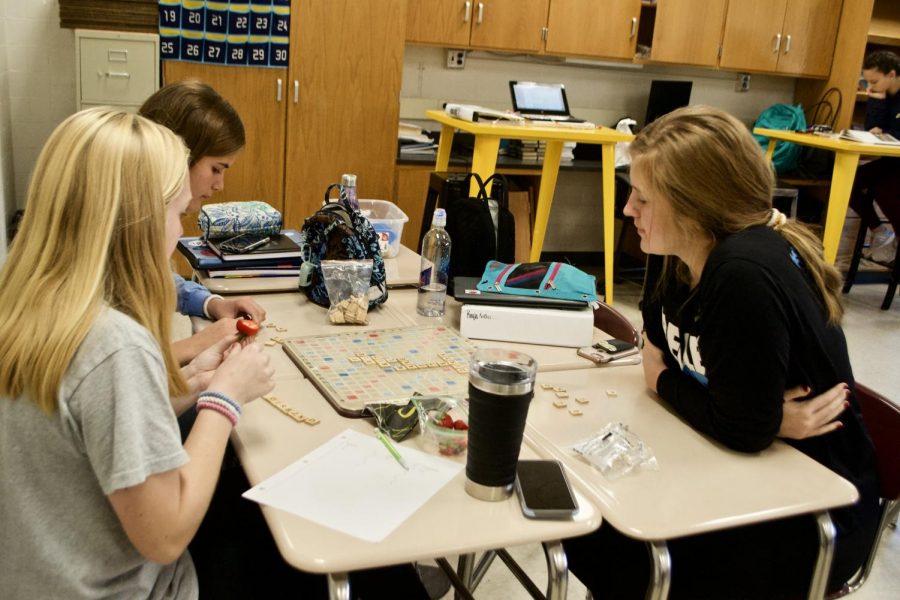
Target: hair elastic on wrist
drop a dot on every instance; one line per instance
(221, 396)
(225, 412)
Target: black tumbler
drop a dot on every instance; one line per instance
(501, 385)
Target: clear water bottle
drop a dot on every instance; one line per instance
(435, 269)
(348, 182)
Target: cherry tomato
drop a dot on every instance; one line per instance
(447, 422)
(460, 425)
(248, 327)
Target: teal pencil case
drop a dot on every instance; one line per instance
(547, 279)
(228, 219)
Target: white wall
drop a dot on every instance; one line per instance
(600, 93)
(7, 192)
(41, 60)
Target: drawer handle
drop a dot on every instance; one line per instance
(777, 44)
(787, 44)
(115, 74)
(633, 27)
(278, 89)
(480, 18)
(117, 55)
(468, 14)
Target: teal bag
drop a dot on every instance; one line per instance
(545, 279)
(787, 117)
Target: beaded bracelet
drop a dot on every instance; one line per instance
(221, 396)
(222, 410)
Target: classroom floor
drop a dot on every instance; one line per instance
(873, 337)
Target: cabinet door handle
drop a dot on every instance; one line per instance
(117, 74)
(296, 91)
(633, 27)
(480, 13)
(545, 33)
(777, 43)
(468, 16)
(787, 44)
(278, 89)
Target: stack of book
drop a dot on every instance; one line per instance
(280, 257)
(534, 150)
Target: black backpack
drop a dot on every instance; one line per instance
(339, 232)
(471, 228)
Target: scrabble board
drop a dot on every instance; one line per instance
(384, 365)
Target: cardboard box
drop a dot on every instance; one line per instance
(548, 326)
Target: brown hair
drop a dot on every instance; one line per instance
(883, 61)
(209, 125)
(714, 174)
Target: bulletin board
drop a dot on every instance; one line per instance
(248, 33)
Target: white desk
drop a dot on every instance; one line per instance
(700, 486)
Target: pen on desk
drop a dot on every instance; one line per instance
(387, 444)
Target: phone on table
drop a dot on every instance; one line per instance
(544, 491)
(605, 351)
(243, 243)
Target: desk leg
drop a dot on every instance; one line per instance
(557, 571)
(545, 196)
(444, 146)
(484, 159)
(662, 570)
(338, 586)
(609, 216)
(845, 164)
(826, 553)
(464, 568)
(770, 149)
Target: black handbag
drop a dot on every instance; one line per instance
(471, 227)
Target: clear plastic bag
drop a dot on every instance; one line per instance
(347, 283)
(616, 451)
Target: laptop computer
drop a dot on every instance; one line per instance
(465, 290)
(541, 101)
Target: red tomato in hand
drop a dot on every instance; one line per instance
(248, 327)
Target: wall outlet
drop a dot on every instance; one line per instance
(742, 84)
(456, 59)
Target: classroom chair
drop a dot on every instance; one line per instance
(614, 323)
(893, 276)
(882, 418)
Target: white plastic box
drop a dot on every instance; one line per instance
(548, 326)
(387, 219)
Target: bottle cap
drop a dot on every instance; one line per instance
(348, 179)
(440, 217)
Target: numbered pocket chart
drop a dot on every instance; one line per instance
(250, 33)
(383, 365)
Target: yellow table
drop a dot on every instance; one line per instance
(846, 159)
(484, 160)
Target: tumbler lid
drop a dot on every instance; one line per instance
(502, 372)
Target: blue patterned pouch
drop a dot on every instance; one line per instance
(546, 279)
(228, 219)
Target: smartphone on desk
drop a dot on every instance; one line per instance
(603, 352)
(544, 491)
(243, 243)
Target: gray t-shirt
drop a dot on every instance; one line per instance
(114, 428)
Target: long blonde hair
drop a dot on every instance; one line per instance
(93, 236)
(714, 174)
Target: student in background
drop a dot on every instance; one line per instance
(214, 134)
(878, 180)
(740, 312)
(99, 496)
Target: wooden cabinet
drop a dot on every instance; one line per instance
(688, 32)
(590, 28)
(334, 110)
(792, 37)
(489, 24)
(345, 70)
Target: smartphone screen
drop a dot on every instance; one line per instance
(243, 243)
(543, 490)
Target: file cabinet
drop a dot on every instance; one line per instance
(115, 68)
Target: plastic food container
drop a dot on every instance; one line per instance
(387, 219)
(437, 436)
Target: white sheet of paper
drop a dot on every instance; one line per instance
(351, 483)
